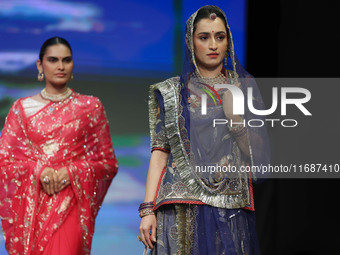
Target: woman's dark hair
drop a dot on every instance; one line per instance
(204, 13)
(50, 42)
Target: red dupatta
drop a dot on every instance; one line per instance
(72, 133)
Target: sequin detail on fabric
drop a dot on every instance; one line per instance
(70, 133)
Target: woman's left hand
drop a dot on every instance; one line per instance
(228, 105)
(63, 179)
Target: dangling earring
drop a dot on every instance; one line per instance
(226, 58)
(72, 77)
(40, 76)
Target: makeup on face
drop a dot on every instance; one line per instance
(210, 44)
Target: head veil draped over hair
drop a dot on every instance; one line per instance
(190, 65)
(215, 158)
(209, 157)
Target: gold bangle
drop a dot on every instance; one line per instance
(145, 212)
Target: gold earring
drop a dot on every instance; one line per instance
(72, 77)
(40, 76)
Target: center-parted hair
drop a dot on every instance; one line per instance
(206, 11)
(50, 42)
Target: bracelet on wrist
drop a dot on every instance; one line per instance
(238, 129)
(146, 212)
(145, 205)
(145, 209)
(240, 133)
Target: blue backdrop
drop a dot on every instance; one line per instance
(140, 40)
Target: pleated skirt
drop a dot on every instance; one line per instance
(205, 230)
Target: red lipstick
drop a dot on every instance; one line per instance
(213, 55)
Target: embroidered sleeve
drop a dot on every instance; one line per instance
(159, 139)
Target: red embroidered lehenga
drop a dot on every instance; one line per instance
(73, 133)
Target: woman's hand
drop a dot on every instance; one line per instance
(228, 104)
(54, 181)
(49, 180)
(148, 223)
(158, 161)
(63, 179)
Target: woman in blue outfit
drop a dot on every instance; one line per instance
(199, 196)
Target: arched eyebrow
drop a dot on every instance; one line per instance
(208, 33)
(53, 57)
(203, 33)
(67, 58)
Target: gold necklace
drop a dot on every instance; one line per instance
(56, 98)
(199, 81)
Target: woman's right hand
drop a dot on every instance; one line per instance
(50, 186)
(148, 223)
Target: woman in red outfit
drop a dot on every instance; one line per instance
(56, 163)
